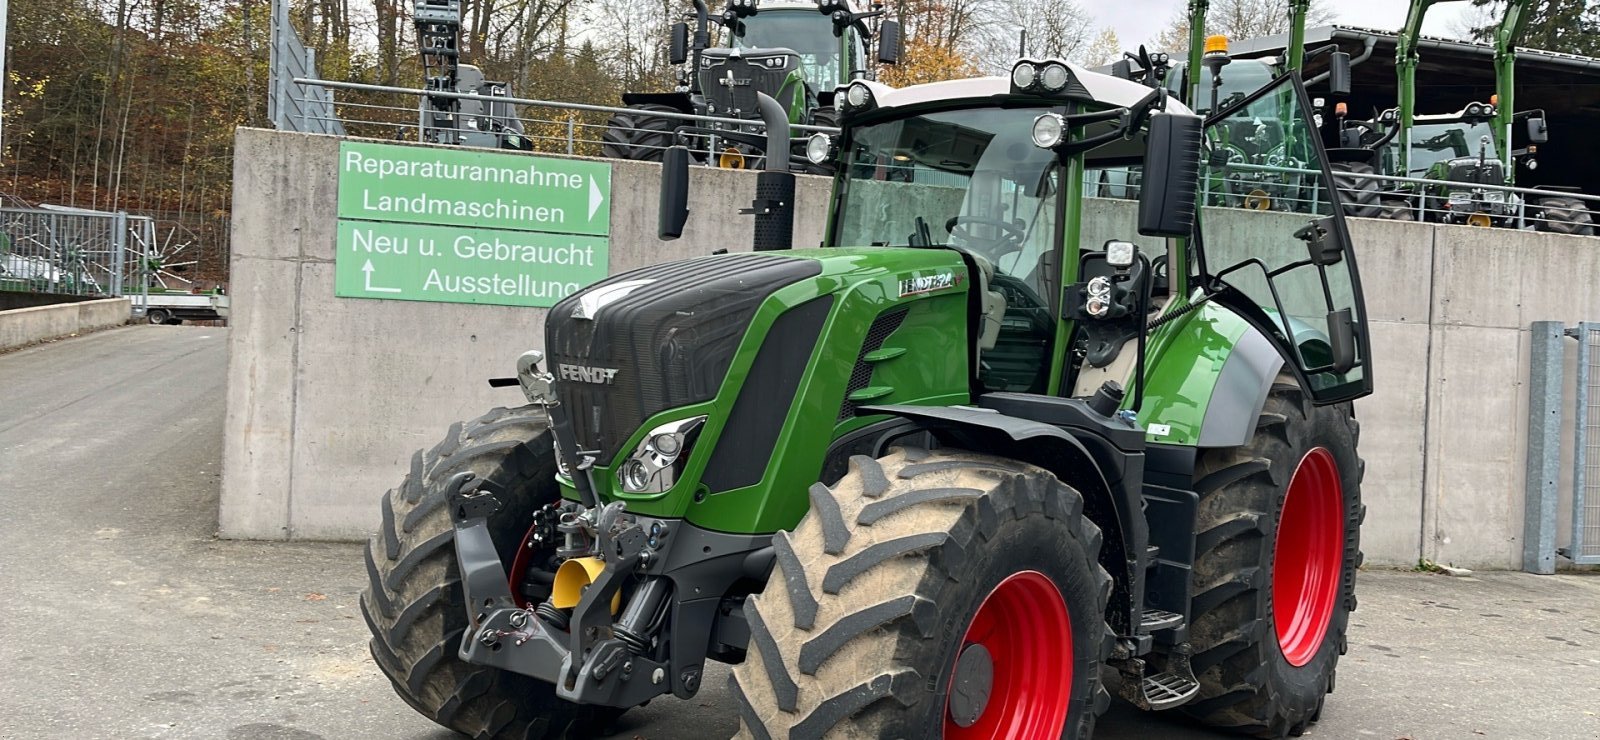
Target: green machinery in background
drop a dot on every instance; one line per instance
(795, 51)
(1458, 153)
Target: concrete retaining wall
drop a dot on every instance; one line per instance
(328, 398)
(24, 326)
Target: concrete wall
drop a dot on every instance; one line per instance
(328, 398)
(24, 326)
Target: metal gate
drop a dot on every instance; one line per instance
(1548, 409)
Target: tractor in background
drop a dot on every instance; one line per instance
(464, 121)
(794, 51)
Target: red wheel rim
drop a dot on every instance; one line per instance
(1308, 557)
(519, 568)
(1024, 626)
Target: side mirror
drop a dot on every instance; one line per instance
(1339, 74)
(1538, 132)
(889, 42)
(678, 48)
(1171, 175)
(1323, 251)
(674, 208)
(1342, 340)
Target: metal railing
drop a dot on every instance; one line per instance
(562, 127)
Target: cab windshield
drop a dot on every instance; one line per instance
(806, 32)
(970, 179)
(1441, 142)
(1239, 79)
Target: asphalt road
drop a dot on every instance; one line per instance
(123, 617)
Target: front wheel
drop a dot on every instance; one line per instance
(1565, 216)
(414, 604)
(158, 316)
(1276, 558)
(928, 595)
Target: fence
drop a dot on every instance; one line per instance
(290, 106)
(74, 252)
(1548, 388)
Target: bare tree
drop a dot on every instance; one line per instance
(1239, 19)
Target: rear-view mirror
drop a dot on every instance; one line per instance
(674, 207)
(1171, 175)
(889, 42)
(1323, 249)
(1538, 133)
(1339, 74)
(678, 48)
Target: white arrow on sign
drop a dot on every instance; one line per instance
(595, 197)
(367, 268)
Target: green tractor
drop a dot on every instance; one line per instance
(1458, 153)
(928, 479)
(795, 51)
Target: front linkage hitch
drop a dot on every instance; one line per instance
(589, 659)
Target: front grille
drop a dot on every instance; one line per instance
(730, 83)
(669, 340)
(861, 374)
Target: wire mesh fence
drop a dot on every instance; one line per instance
(1586, 448)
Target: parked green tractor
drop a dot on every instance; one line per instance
(795, 51)
(1465, 156)
(929, 479)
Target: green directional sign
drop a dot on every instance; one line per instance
(468, 226)
(464, 265)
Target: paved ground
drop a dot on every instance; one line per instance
(125, 618)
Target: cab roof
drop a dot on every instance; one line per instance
(1103, 88)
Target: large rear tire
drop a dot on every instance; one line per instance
(1565, 216)
(1276, 558)
(1358, 188)
(637, 134)
(413, 602)
(910, 565)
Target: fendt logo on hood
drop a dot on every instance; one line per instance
(586, 374)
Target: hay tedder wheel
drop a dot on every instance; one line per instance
(1276, 558)
(928, 595)
(413, 601)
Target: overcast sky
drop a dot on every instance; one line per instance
(1137, 21)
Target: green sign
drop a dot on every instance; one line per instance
(468, 226)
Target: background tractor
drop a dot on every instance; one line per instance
(795, 51)
(929, 479)
(1458, 153)
(451, 120)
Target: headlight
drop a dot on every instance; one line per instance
(818, 147)
(1054, 77)
(1120, 254)
(1494, 196)
(657, 463)
(1048, 130)
(1022, 76)
(1460, 196)
(858, 95)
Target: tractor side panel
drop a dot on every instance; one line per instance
(1206, 379)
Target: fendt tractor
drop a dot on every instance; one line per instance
(928, 479)
(795, 51)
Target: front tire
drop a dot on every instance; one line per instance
(639, 135)
(1276, 558)
(1358, 188)
(1565, 216)
(414, 604)
(898, 574)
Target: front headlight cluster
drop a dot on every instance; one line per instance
(1046, 77)
(855, 98)
(1494, 196)
(819, 148)
(658, 461)
(1479, 109)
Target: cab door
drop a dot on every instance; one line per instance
(1272, 242)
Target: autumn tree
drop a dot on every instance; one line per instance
(1566, 26)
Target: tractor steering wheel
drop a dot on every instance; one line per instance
(1010, 239)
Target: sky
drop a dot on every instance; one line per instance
(1137, 21)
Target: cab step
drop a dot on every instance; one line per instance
(1161, 681)
(1155, 620)
(1166, 690)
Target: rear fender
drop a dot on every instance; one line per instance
(1057, 450)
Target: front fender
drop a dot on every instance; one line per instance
(1207, 379)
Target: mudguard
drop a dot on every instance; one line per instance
(676, 100)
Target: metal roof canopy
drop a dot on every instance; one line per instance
(1453, 73)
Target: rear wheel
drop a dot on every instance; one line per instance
(1396, 210)
(414, 604)
(1358, 189)
(1565, 216)
(927, 595)
(638, 134)
(158, 316)
(1276, 558)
